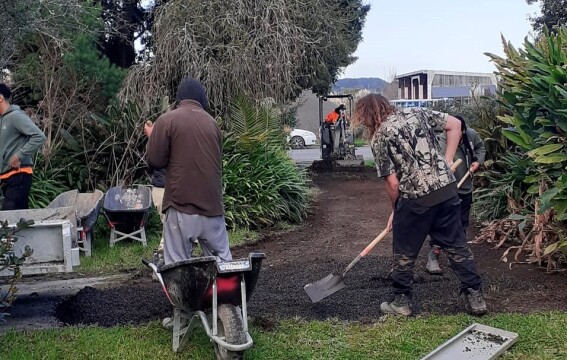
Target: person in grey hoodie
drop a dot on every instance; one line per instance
(471, 151)
(20, 139)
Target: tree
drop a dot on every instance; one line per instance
(553, 14)
(21, 18)
(61, 80)
(256, 48)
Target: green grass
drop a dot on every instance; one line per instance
(541, 336)
(370, 163)
(360, 142)
(126, 255)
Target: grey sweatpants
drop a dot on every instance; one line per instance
(180, 229)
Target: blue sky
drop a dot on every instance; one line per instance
(452, 35)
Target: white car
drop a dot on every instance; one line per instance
(298, 138)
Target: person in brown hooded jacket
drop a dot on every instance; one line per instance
(187, 142)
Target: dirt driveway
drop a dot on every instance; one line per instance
(350, 211)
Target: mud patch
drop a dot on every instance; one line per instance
(128, 304)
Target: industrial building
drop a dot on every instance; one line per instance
(435, 84)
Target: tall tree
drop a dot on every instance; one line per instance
(553, 14)
(22, 18)
(260, 48)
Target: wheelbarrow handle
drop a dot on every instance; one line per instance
(156, 271)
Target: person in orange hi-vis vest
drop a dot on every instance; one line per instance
(334, 115)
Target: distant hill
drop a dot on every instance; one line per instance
(371, 84)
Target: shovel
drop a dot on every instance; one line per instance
(330, 284)
(468, 173)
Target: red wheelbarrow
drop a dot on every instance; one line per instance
(214, 292)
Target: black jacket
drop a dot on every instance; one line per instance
(158, 178)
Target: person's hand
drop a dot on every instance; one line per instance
(390, 222)
(474, 167)
(148, 127)
(15, 162)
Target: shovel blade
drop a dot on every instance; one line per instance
(325, 287)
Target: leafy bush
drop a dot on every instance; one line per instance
(503, 189)
(533, 89)
(260, 181)
(10, 260)
(48, 182)
(481, 113)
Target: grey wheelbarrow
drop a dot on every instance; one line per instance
(214, 292)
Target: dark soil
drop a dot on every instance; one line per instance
(351, 210)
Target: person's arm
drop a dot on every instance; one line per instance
(479, 149)
(157, 149)
(386, 169)
(392, 188)
(453, 131)
(451, 125)
(36, 137)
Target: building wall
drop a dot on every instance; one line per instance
(429, 84)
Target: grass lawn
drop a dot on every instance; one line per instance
(126, 255)
(358, 142)
(541, 336)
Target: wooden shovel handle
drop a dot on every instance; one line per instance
(366, 250)
(456, 164)
(463, 179)
(374, 242)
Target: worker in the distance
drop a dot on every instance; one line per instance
(338, 113)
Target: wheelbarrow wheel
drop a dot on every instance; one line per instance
(230, 328)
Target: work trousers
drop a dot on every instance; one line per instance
(16, 190)
(181, 229)
(442, 222)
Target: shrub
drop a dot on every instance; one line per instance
(260, 181)
(533, 90)
(10, 260)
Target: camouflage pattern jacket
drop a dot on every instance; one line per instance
(406, 144)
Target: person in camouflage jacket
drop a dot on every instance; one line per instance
(423, 192)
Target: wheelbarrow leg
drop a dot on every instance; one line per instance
(86, 242)
(143, 236)
(183, 325)
(112, 236)
(89, 243)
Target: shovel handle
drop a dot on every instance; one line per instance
(366, 250)
(463, 179)
(456, 164)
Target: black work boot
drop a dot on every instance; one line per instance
(432, 266)
(475, 304)
(400, 306)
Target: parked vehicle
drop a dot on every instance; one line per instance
(299, 139)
